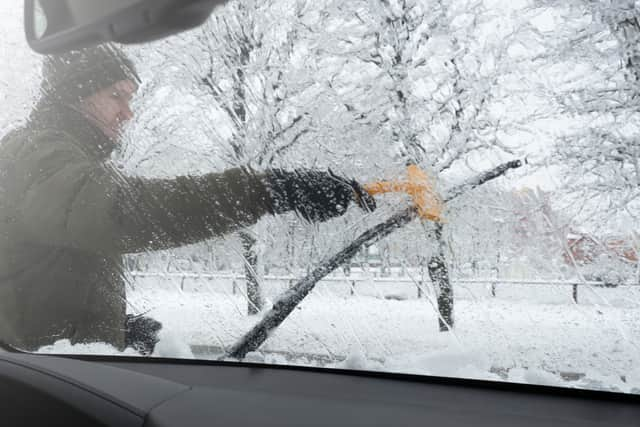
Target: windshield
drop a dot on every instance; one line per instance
(446, 188)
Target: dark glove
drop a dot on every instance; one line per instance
(141, 333)
(315, 195)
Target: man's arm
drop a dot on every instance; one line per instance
(188, 209)
(72, 201)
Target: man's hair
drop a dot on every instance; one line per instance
(70, 77)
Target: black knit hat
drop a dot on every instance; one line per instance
(75, 75)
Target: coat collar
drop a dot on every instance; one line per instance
(53, 116)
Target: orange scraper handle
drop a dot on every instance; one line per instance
(419, 187)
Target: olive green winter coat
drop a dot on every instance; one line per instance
(67, 216)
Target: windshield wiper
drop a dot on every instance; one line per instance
(291, 298)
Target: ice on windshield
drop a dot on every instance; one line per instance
(498, 139)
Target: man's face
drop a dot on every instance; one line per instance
(109, 108)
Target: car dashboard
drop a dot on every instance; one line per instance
(132, 391)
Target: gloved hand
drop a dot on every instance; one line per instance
(141, 333)
(315, 195)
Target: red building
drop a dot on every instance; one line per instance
(586, 249)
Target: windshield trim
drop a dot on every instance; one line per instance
(383, 375)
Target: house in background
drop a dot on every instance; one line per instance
(612, 259)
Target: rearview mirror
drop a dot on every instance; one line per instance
(54, 26)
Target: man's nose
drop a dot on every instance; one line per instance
(126, 113)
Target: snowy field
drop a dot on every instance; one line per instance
(532, 334)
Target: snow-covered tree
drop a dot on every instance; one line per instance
(597, 149)
(423, 80)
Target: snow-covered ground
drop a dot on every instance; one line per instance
(532, 334)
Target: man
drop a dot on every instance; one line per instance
(67, 216)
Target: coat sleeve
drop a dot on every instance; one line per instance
(73, 201)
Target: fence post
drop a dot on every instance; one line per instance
(353, 287)
(234, 289)
(575, 293)
(420, 284)
(182, 284)
(493, 289)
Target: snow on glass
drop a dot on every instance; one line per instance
(533, 274)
